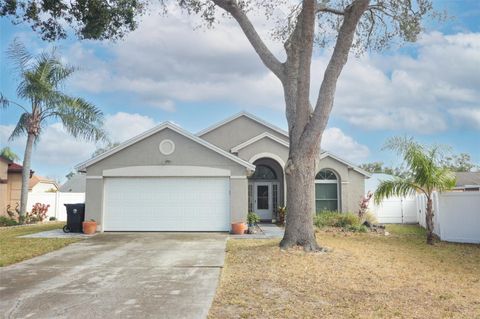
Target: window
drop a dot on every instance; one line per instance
(263, 172)
(326, 191)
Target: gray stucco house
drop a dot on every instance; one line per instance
(168, 179)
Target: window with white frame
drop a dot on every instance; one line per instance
(326, 191)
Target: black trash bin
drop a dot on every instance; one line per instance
(75, 218)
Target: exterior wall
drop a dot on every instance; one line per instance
(265, 145)
(94, 200)
(146, 153)
(14, 189)
(238, 199)
(352, 183)
(236, 132)
(3, 186)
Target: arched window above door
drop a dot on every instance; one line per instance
(263, 172)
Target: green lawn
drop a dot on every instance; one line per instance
(14, 249)
(364, 276)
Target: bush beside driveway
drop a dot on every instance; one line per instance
(14, 249)
(365, 276)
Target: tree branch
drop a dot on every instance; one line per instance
(322, 7)
(267, 57)
(339, 57)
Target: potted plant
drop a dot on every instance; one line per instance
(89, 227)
(238, 228)
(252, 219)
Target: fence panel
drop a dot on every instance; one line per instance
(56, 201)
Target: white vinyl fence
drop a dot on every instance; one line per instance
(56, 201)
(456, 214)
(395, 210)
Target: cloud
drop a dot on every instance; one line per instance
(336, 141)
(122, 126)
(57, 151)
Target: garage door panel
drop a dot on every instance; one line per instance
(166, 204)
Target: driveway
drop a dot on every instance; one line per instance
(122, 275)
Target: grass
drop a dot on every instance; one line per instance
(364, 276)
(14, 249)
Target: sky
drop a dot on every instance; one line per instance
(169, 70)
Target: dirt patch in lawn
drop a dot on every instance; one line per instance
(14, 249)
(365, 276)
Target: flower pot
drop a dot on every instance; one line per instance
(89, 227)
(238, 228)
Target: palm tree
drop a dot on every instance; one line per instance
(7, 153)
(425, 175)
(42, 79)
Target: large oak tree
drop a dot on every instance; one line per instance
(342, 25)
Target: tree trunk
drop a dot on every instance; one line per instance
(300, 178)
(27, 162)
(429, 221)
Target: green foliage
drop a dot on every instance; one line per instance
(7, 221)
(370, 217)
(7, 153)
(107, 147)
(336, 219)
(52, 218)
(425, 171)
(252, 218)
(42, 79)
(459, 163)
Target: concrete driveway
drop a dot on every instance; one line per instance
(122, 275)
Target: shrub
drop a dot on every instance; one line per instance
(7, 221)
(52, 219)
(347, 221)
(252, 218)
(38, 213)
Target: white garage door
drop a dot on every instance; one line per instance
(167, 204)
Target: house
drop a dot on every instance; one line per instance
(168, 179)
(75, 184)
(467, 181)
(10, 184)
(39, 184)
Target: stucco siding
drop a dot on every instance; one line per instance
(94, 200)
(265, 145)
(238, 200)
(356, 190)
(146, 152)
(236, 132)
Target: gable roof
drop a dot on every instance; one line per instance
(257, 138)
(324, 154)
(247, 115)
(76, 184)
(35, 179)
(155, 130)
(467, 178)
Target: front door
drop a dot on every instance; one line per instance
(263, 200)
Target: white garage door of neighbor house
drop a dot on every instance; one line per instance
(167, 204)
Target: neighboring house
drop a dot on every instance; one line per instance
(467, 181)
(76, 184)
(10, 184)
(39, 184)
(168, 179)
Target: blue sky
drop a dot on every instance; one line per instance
(167, 71)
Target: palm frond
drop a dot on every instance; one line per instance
(395, 187)
(21, 127)
(4, 102)
(81, 119)
(19, 54)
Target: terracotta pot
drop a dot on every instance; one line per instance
(89, 227)
(238, 228)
